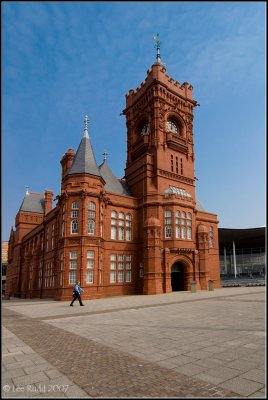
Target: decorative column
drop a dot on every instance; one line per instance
(203, 247)
(153, 280)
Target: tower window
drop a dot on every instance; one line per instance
(145, 130)
(168, 224)
(181, 167)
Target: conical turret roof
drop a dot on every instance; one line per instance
(84, 161)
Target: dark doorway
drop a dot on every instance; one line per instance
(177, 277)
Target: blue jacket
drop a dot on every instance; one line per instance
(78, 289)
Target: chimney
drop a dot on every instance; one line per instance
(48, 201)
(67, 161)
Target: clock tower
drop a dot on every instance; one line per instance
(159, 119)
(160, 174)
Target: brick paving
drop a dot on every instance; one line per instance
(200, 345)
(99, 370)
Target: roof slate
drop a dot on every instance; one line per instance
(33, 202)
(112, 184)
(84, 161)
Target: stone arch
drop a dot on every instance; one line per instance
(178, 120)
(181, 268)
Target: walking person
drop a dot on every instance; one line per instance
(77, 294)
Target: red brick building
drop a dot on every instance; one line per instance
(144, 234)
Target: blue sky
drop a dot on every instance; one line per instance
(63, 60)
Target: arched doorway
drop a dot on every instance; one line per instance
(177, 276)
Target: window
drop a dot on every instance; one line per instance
(73, 260)
(91, 227)
(74, 226)
(90, 267)
(172, 126)
(113, 268)
(52, 236)
(121, 226)
(120, 268)
(75, 214)
(128, 227)
(40, 275)
(171, 163)
(92, 206)
(128, 268)
(72, 277)
(75, 205)
(181, 167)
(183, 225)
(47, 238)
(73, 267)
(91, 218)
(168, 224)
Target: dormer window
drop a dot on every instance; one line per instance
(172, 126)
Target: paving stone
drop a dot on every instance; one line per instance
(28, 379)
(255, 375)
(12, 373)
(242, 386)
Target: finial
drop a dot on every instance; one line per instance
(27, 190)
(86, 121)
(105, 154)
(157, 46)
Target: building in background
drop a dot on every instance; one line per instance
(242, 252)
(143, 234)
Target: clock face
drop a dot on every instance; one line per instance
(172, 126)
(145, 130)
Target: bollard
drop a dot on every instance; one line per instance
(193, 286)
(210, 285)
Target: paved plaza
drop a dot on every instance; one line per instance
(176, 345)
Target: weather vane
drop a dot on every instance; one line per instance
(156, 38)
(86, 121)
(105, 154)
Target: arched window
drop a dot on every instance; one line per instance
(75, 205)
(74, 226)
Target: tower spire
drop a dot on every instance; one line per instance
(156, 38)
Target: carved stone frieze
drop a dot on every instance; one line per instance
(181, 250)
